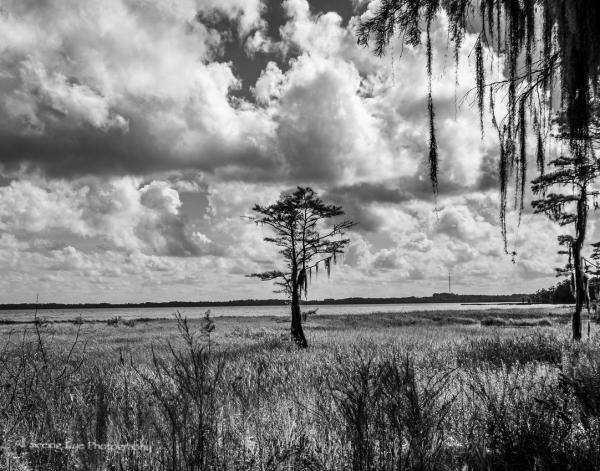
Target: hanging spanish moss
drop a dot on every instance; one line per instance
(503, 172)
(480, 78)
(433, 154)
(522, 160)
(546, 45)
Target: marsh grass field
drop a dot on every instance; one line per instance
(417, 391)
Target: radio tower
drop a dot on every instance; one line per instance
(449, 283)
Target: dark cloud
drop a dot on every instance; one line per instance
(313, 132)
(356, 200)
(396, 191)
(73, 151)
(369, 192)
(489, 178)
(368, 220)
(386, 260)
(344, 8)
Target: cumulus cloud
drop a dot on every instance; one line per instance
(324, 129)
(269, 85)
(44, 97)
(460, 239)
(247, 13)
(143, 219)
(133, 90)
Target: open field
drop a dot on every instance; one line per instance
(427, 391)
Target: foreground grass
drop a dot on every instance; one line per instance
(420, 391)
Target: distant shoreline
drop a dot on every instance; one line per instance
(436, 298)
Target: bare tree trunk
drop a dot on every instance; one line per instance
(579, 291)
(297, 332)
(580, 283)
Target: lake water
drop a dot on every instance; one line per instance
(251, 311)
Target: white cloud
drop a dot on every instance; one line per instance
(42, 93)
(269, 85)
(322, 35)
(326, 131)
(248, 13)
(259, 42)
(28, 208)
(141, 219)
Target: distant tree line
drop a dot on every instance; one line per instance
(435, 298)
(559, 293)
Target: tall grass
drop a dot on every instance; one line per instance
(357, 400)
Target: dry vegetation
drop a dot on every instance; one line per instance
(416, 391)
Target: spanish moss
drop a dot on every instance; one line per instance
(433, 154)
(480, 79)
(546, 45)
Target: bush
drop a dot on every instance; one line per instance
(183, 386)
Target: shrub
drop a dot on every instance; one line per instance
(183, 387)
(392, 418)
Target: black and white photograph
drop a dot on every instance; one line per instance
(299, 235)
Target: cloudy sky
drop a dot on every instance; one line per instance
(134, 134)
